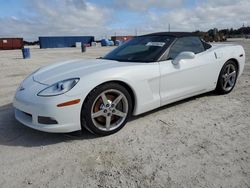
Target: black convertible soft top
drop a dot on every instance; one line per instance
(174, 34)
(179, 35)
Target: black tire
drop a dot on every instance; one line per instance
(94, 97)
(220, 89)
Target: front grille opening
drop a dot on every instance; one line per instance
(46, 120)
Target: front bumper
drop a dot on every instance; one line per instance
(30, 109)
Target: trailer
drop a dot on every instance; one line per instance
(64, 41)
(11, 43)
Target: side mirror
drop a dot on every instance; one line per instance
(183, 55)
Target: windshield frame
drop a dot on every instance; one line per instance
(157, 58)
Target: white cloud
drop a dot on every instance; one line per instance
(80, 17)
(140, 5)
(206, 15)
(57, 17)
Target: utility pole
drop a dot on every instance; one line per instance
(169, 27)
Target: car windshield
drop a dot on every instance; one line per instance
(141, 49)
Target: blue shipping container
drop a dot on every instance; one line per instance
(63, 42)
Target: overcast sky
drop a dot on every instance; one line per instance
(100, 18)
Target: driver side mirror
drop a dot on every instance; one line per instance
(183, 55)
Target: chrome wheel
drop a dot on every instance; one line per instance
(109, 110)
(229, 77)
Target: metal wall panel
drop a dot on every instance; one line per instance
(11, 43)
(63, 42)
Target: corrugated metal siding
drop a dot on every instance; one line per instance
(11, 43)
(62, 42)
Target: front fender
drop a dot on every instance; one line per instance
(143, 79)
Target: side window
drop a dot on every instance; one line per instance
(191, 44)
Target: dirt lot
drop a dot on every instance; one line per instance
(200, 142)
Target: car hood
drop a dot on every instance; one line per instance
(72, 69)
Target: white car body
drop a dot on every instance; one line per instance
(153, 84)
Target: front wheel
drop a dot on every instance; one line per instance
(227, 78)
(106, 109)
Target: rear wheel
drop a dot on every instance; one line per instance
(227, 78)
(106, 109)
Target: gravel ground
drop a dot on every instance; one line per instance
(203, 141)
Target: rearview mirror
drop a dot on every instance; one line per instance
(183, 55)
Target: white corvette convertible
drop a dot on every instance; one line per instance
(143, 74)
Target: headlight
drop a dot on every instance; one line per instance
(59, 88)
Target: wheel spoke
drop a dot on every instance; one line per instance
(97, 114)
(232, 74)
(119, 113)
(104, 99)
(225, 84)
(228, 69)
(117, 100)
(108, 121)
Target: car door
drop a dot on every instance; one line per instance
(190, 76)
